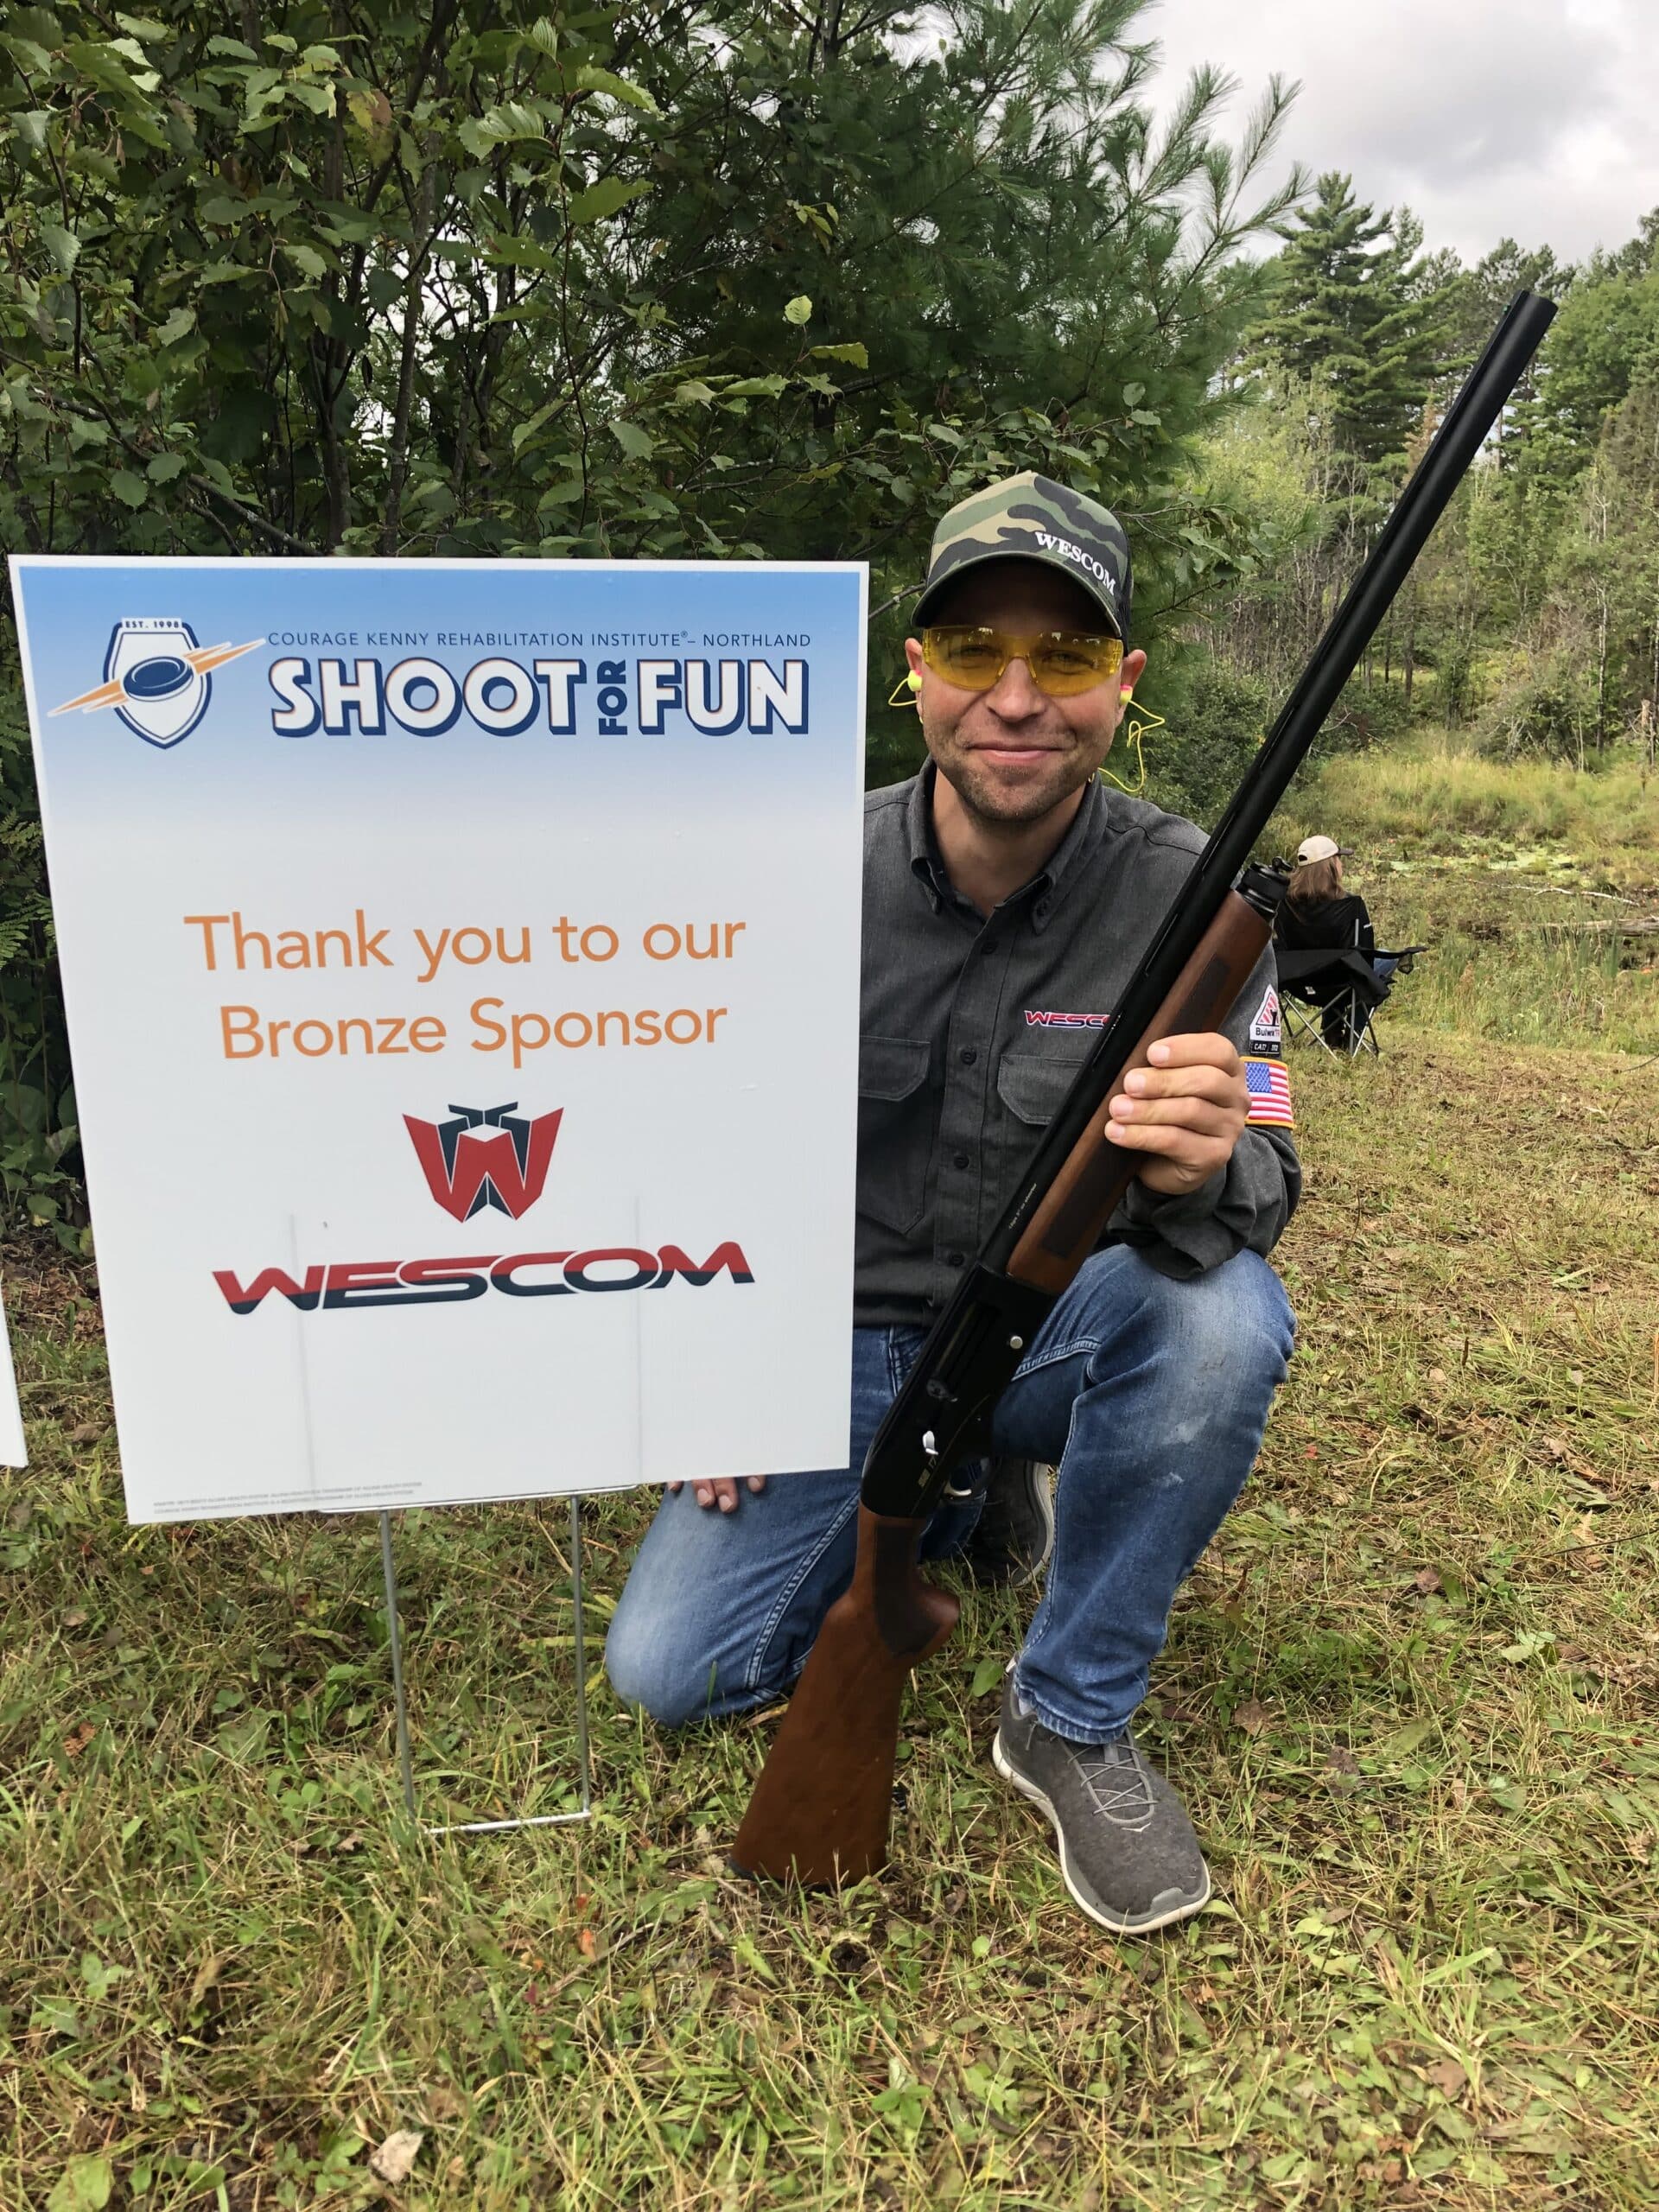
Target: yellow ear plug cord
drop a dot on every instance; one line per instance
(1137, 721)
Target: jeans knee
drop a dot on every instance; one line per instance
(1226, 1333)
(648, 1670)
(1259, 1322)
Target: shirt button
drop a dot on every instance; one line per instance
(1042, 909)
(967, 1056)
(959, 1159)
(955, 1259)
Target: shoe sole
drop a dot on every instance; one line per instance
(1021, 1577)
(1045, 1500)
(1143, 1927)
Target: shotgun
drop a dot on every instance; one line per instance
(821, 1809)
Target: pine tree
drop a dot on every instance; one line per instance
(1359, 316)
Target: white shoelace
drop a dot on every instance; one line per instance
(1125, 1800)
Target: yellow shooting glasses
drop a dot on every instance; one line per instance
(1062, 662)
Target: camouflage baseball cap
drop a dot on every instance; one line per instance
(1030, 518)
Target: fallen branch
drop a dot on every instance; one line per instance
(1572, 891)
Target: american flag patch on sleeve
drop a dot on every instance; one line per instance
(1270, 1088)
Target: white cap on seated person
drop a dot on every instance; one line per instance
(1321, 849)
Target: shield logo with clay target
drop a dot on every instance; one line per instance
(163, 693)
(157, 678)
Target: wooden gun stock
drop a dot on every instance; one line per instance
(820, 1810)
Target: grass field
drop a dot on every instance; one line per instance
(1412, 1696)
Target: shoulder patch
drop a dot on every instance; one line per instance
(1267, 1023)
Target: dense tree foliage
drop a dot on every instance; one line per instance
(1360, 321)
(673, 278)
(680, 279)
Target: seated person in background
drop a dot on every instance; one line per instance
(1318, 913)
(1317, 910)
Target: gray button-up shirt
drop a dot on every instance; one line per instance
(973, 1028)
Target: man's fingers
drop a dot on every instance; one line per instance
(1172, 1141)
(1185, 1113)
(1210, 1118)
(1207, 1048)
(1206, 1081)
(721, 1491)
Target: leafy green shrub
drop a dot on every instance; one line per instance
(1457, 685)
(1364, 718)
(1215, 720)
(1547, 712)
(40, 1154)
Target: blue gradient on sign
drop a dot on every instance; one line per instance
(234, 763)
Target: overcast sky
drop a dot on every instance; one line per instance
(1537, 119)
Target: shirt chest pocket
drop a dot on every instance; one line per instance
(1031, 1088)
(895, 1129)
(1033, 1085)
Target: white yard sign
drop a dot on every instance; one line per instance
(461, 962)
(13, 1453)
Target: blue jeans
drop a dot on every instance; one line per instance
(1148, 1395)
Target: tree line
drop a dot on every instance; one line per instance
(1534, 615)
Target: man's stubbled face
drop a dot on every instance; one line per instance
(1011, 754)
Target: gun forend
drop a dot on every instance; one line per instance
(1072, 1217)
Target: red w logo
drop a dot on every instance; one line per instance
(488, 1157)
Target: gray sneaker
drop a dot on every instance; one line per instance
(1014, 1533)
(1128, 1851)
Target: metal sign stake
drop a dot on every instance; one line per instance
(405, 1764)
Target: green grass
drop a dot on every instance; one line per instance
(1435, 792)
(1410, 1696)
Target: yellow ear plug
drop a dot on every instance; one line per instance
(903, 692)
(913, 682)
(1126, 695)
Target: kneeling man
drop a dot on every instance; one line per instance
(1009, 893)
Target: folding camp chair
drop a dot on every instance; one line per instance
(1330, 995)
